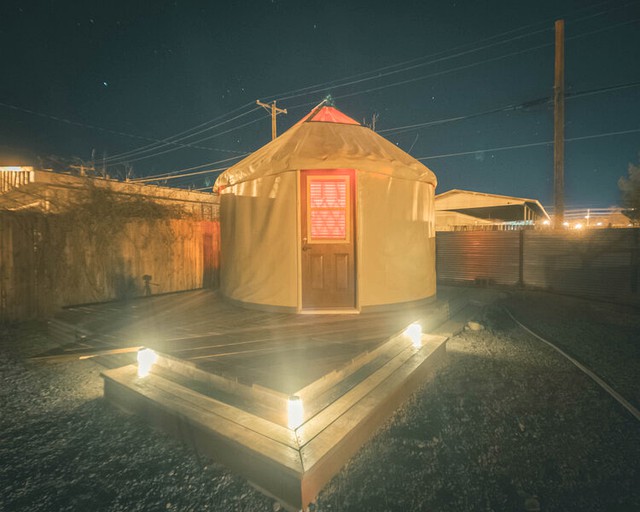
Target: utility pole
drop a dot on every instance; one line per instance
(274, 112)
(558, 128)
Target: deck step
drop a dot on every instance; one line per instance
(289, 464)
(245, 426)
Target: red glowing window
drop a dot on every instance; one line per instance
(328, 208)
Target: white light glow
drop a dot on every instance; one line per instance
(146, 359)
(578, 226)
(599, 224)
(546, 222)
(565, 224)
(414, 332)
(15, 168)
(295, 412)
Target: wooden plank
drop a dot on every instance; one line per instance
(376, 396)
(332, 427)
(80, 353)
(193, 404)
(315, 425)
(395, 343)
(187, 368)
(327, 453)
(225, 446)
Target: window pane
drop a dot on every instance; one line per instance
(328, 224)
(327, 194)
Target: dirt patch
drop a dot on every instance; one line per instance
(63, 448)
(507, 425)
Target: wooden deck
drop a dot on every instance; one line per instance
(283, 352)
(225, 374)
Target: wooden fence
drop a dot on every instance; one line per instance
(45, 263)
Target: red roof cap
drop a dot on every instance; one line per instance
(331, 115)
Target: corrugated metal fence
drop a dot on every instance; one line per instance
(599, 262)
(46, 263)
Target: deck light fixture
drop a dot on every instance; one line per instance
(146, 359)
(414, 333)
(295, 412)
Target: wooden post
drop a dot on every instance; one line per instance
(521, 259)
(558, 127)
(274, 112)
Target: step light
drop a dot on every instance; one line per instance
(146, 359)
(414, 333)
(295, 412)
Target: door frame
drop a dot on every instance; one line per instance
(355, 241)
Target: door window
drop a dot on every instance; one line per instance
(328, 209)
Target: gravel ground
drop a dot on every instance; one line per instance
(508, 425)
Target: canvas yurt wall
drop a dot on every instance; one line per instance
(263, 258)
(258, 241)
(397, 240)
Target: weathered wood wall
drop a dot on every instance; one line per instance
(46, 263)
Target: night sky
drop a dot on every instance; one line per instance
(90, 80)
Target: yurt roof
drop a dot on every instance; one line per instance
(327, 139)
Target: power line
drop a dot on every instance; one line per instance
(99, 128)
(477, 63)
(377, 74)
(463, 153)
(199, 140)
(405, 64)
(208, 171)
(530, 145)
(318, 87)
(470, 65)
(506, 108)
(415, 66)
(192, 128)
(174, 140)
(410, 127)
(600, 90)
(603, 29)
(401, 129)
(446, 71)
(175, 172)
(153, 147)
(513, 106)
(458, 68)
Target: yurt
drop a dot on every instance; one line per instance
(328, 217)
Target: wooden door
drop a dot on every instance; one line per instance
(328, 238)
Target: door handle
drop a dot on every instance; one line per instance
(305, 245)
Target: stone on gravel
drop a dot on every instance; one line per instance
(475, 326)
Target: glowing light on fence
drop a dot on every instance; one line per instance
(546, 222)
(577, 226)
(146, 359)
(414, 332)
(295, 412)
(565, 224)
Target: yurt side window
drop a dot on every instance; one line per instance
(328, 209)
